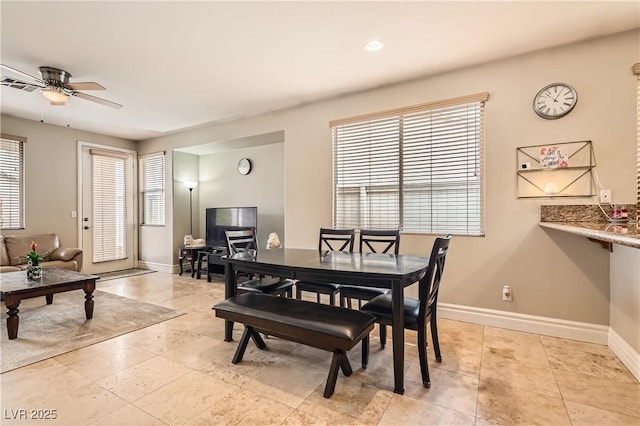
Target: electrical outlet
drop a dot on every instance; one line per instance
(507, 294)
(605, 195)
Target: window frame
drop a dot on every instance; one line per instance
(399, 210)
(144, 191)
(20, 143)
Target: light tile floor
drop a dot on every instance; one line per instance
(180, 372)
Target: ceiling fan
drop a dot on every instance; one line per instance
(55, 86)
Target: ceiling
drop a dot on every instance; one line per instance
(175, 65)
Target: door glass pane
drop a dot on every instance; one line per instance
(109, 208)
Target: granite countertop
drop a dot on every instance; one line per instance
(590, 221)
(627, 234)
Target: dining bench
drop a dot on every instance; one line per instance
(331, 328)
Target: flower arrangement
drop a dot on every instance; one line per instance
(34, 257)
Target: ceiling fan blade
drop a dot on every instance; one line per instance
(96, 99)
(21, 73)
(19, 84)
(85, 85)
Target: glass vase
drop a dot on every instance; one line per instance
(34, 272)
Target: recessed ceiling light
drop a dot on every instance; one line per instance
(373, 45)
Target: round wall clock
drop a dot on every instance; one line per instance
(244, 166)
(555, 100)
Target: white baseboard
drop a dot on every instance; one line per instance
(627, 355)
(160, 267)
(584, 332)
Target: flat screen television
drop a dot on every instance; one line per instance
(220, 219)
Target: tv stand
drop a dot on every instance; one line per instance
(215, 264)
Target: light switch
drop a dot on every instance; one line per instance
(73, 213)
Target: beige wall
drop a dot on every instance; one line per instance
(51, 177)
(222, 186)
(552, 274)
(185, 168)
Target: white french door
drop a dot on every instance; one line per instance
(107, 209)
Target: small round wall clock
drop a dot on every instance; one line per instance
(244, 166)
(555, 100)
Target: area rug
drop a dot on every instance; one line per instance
(46, 331)
(124, 273)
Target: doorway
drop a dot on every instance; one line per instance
(107, 208)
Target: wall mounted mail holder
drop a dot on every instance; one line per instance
(555, 170)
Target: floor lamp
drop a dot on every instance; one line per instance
(190, 185)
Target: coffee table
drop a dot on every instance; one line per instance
(14, 286)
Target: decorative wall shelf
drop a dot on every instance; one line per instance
(555, 170)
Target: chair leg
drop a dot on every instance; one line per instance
(365, 351)
(298, 293)
(332, 299)
(318, 297)
(383, 335)
(434, 337)
(422, 356)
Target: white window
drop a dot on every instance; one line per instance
(418, 169)
(12, 182)
(152, 189)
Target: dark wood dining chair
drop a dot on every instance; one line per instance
(243, 240)
(418, 312)
(331, 240)
(372, 241)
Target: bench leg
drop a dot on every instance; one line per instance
(257, 339)
(341, 361)
(249, 333)
(365, 351)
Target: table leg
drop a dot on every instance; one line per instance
(397, 331)
(193, 265)
(230, 290)
(12, 320)
(180, 260)
(49, 298)
(88, 298)
(199, 267)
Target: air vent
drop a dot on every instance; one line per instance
(17, 84)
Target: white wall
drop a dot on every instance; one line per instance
(625, 294)
(552, 274)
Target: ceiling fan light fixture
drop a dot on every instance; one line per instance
(55, 95)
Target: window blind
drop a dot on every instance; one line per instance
(418, 169)
(152, 171)
(12, 182)
(109, 207)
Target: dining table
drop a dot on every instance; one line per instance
(365, 269)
